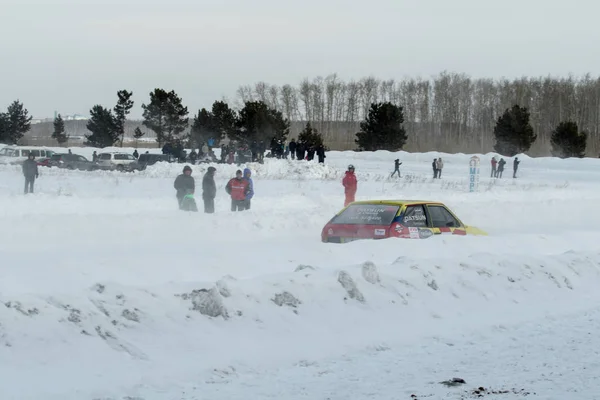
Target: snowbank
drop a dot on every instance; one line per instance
(324, 312)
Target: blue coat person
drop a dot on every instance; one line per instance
(247, 176)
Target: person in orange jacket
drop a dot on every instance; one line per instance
(350, 185)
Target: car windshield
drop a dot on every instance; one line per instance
(367, 214)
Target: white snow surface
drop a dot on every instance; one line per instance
(107, 291)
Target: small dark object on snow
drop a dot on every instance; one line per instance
(481, 392)
(454, 382)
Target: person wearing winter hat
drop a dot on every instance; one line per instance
(184, 184)
(30, 171)
(209, 190)
(350, 185)
(238, 188)
(250, 194)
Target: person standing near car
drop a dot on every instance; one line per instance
(238, 188)
(184, 184)
(250, 194)
(209, 190)
(30, 171)
(350, 184)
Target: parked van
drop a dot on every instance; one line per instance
(117, 160)
(18, 154)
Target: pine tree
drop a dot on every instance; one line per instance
(203, 127)
(165, 115)
(216, 124)
(257, 122)
(225, 120)
(59, 131)
(4, 128)
(122, 109)
(103, 126)
(568, 141)
(16, 122)
(513, 132)
(310, 136)
(382, 129)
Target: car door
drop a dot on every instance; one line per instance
(413, 223)
(442, 220)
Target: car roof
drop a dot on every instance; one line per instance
(398, 202)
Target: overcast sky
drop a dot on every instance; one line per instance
(69, 55)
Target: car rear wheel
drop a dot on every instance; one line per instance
(120, 168)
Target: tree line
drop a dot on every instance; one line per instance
(450, 112)
(385, 125)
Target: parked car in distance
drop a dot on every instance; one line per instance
(71, 161)
(18, 154)
(117, 160)
(43, 162)
(147, 159)
(382, 219)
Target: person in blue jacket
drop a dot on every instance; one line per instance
(247, 176)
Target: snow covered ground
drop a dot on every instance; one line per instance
(110, 292)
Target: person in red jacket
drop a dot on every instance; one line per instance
(350, 185)
(238, 188)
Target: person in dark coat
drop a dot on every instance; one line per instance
(397, 164)
(136, 154)
(184, 184)
(516, 163)
(435, 168)
(209, 190)
(321, 154)
(193, 156)
(500, 168)
(292, 147)
(30, 171)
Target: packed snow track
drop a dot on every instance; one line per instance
(109, 292)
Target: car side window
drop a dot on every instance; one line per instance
(441, 217)
(81, 158)
(414, 216)
(104, 156)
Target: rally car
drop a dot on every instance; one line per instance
(381, 219)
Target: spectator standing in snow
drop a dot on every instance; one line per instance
(193, 157)
(434, 166)
(136, 154)
(350, 185)
(250, 194)
(500, 168)
(494, 171)
(238, 188)
(95, 156)
(209, 190)
(440, 166)
(397, 164)
(184, 184)
(321, 154)
(516, 163)
(30, 171)
(292, 147)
